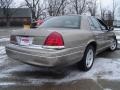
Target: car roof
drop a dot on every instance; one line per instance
(76, 15)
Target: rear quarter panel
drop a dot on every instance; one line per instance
(78, 37)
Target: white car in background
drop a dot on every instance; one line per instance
(117, 32)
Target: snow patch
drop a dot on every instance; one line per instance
(4, 39)
(2, 54)
(103, 69)
(107, 89)
(118, 42)
(3, 75)
(2, 60)
(2, 50)
(7, 83)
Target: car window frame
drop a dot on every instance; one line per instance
(92, 25)
(102, 24)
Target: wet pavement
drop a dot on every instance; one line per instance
(18, 76)
(105, 74)
(85, 84)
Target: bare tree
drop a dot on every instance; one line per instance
(32, 4)
(5, 3)
(36, 7)
(5, 6)
(56, 7)
(119, 11)
(41, 10)
(103, 12)
(79, 6)
(92, 7)
(109, 17)
(115, 5)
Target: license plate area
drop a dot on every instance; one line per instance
(24, 40)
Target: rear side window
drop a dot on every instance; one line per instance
(94, 23)
(62, 22)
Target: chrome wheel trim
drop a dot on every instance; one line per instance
(113, 46)
(89, 58)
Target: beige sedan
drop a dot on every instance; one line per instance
(61, 41)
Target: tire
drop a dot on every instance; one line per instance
(113, 47)
(85, 64)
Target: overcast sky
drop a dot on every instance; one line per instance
(108, 4)
(105, 3)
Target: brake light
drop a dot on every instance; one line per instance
(54, 39)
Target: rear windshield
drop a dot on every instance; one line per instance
(62, 22)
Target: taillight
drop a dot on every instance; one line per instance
(54, 39)
(13, 39)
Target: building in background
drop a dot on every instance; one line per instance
(16, 16)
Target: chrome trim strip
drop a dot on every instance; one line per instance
(54, 47)
(46, 53)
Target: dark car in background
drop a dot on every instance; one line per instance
(36, 23)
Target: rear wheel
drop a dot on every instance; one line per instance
(88, 59)
(113, 47)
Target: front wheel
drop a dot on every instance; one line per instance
(113, 46)
(88, 59)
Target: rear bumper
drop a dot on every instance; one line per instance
(45, 57)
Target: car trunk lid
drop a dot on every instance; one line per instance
(32, 36)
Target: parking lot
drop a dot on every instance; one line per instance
(104, 75)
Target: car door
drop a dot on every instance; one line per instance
(98, 33)
(108, 35)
